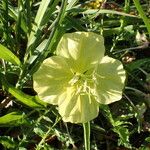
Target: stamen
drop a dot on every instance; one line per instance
(74, 80)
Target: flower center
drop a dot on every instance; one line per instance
(83, 83)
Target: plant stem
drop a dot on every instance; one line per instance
(86, 127)
(46, 134)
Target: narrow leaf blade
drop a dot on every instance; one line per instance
(38, 19)
(7, 55)
(31, 101)
(13, 119)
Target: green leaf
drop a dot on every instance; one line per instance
(39, 50)
(119, 127)
(148, 77)
(7, 142)
(38, 20)
(51, 10)
(123, 136)
(31, 101)
(138, 63)
(142, 14)
(144, 148)
(7, 55)
(39, 131)
(74, 23)
(22, 148)
(96, 12)
(71, 3)
(13, 119)
(139, 110)
(147, 139)
(14, 14)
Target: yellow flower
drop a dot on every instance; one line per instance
(80, 77)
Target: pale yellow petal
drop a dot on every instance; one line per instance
(110, 78)
(82, 49)
(77, 108)
(51, 79)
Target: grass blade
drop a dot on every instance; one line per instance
(7, 55)
(31, 101)
(38, 19)
(13, 119)
(142, 14)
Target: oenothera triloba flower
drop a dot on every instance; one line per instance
(80, 78)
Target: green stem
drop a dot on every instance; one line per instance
(86, 127)
(142, 14)
(46, 134)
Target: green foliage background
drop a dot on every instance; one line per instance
(29, 33)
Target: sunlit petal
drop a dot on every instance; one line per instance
(77, 108)
(110, 78)
(51, 79)
(82, 49)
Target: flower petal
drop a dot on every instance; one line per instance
(51, 79)
(82, 49)
(110, 80)
(77, 108)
